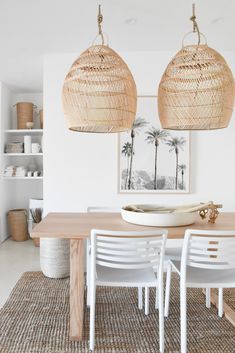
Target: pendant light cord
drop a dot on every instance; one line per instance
(100, 20)
(195, 25)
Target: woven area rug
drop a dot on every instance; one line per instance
(35, 320)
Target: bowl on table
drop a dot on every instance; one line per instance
(157, 215)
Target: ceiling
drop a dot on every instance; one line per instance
(30, 28)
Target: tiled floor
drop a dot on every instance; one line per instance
(15, 259)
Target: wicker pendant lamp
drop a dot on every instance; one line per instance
(99, 92)
(196, 91)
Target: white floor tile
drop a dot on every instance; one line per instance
(15, 259)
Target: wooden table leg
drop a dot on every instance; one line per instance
(76, 288)
(229, 313)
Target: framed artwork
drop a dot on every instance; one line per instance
(153, 160)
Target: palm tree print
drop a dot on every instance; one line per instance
(137, 125)
(182, 168)
(126, 151)
(155, 136)
(176, 143)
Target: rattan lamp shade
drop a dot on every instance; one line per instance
(99, 92)
(196, 91)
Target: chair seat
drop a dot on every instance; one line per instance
(173, 253)
(207, 278)
(120, 278)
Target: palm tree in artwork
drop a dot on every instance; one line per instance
(181, 169)
(155, 136)
(176, 143)
(126, 151)
(138, 124)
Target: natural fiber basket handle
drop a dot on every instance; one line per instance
(104, 38)
(187, 34)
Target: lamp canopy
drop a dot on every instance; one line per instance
(196, 91)
(99, 92)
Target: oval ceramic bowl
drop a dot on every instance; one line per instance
(159, 219)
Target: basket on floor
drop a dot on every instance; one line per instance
(18, 226)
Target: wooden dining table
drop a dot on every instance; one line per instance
(76, 227)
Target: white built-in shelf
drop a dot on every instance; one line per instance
(23, 178)
(24, 131)
(22, 154)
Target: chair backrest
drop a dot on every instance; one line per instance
(128, 250)
(208, 250)
(103, 209)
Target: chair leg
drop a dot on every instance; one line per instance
(156, 300)
(161, 317)
(88, 270)
(140, 298)
(168, 289)
(146, 301)
(92, 316)
(183, 318)
(208, 298)
(220, 304)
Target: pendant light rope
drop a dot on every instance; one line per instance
(100, 20)
(195, 25)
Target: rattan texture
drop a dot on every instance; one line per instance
(196, 91)
(99, 92)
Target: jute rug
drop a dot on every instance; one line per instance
(35, 320)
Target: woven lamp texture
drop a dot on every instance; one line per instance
(99, 92)
(196, 91)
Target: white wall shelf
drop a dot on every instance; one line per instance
(23, 178)
(22, 154)
(24, 131)
(17, 191)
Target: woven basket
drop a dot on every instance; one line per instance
(54, 257)
(196, 91)
(99, 92)
(17, 222)
(24, 112)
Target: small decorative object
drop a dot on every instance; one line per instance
(196, 91)
(17, 221)
(29, 174)
(27, 144)
(99, 92)
(24, 112)
(41, 117)
(29, 125)
(172, 216)
(36, 214)
(213, 211)
(36, 173)
(153, 160)
(36, 147)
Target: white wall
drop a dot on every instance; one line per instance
(81, 169)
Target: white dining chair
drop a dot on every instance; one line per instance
(208, 261)
(174, 253)
(140, 291)
(127, 259)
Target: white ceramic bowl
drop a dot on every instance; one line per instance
(158, 219)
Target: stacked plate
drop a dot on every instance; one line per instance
(14, 147)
